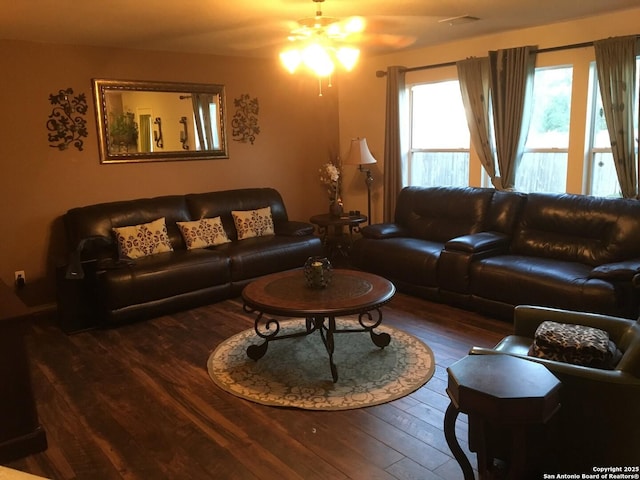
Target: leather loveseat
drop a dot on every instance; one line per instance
(490, 251)
(117, 290)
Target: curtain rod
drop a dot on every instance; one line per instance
(382, 73)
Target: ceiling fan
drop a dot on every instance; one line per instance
(354, 29)
(333, 27)
(321, 43)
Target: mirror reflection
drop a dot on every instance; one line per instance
(152, 121)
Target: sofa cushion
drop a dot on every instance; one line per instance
(138, 241)
(623, 271)
(576, 344)
(222, 203)
(579, 228)
(292, 228)
(253, 223)
(518, 280)
(407, 260)
(441, 213)
(96, 222)
(257, 256)
(162, 276)
(384, 230)
(203, 233)
(504, 211)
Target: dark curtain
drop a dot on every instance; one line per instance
(473, 75)
(616, 66)
(394, 151)
(511, 73)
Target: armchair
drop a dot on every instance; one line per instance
(599, 420)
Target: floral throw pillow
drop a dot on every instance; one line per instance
(143, 240)
(253, 223)
(203, 233)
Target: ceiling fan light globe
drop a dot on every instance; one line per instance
(334, 30)
(291, 59)
(355, 25)
(316, 58)
(348, 57)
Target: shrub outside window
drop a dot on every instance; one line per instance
(543, 167)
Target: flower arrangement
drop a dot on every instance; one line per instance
(330, 176)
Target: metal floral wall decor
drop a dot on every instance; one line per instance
(245, 120)
(66, 123)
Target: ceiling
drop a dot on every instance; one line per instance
(258, 28)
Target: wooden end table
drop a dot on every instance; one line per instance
(20, 433)
(286, 294)
(332, 231)
(503, 391)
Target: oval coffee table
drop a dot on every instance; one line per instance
(286, 294)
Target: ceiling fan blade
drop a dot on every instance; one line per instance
(386, 40)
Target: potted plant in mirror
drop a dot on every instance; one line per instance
(123, 130)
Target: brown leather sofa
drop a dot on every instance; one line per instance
(118, 291)
(489, 250)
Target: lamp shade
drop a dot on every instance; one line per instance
(359, 153)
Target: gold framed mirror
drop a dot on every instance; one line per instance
(159, 121)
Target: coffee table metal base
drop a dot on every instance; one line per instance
(269, 329)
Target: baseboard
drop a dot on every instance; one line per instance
(18, 447)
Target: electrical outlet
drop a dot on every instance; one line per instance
(20, 278)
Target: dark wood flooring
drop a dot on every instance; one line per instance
(136, 402)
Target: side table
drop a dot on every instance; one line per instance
(20, 431)
(332, 231)
(499, 391)
(77, 299)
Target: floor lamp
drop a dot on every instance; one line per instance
(360, 155)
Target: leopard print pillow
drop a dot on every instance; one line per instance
(576, 344)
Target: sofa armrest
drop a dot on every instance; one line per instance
(384, 230)
(618, 271)
(87, 249)
(294, 229)
(527, 318)
(479, 242)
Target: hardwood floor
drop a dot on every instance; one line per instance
(136, 402)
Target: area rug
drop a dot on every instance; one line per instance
(295, 372)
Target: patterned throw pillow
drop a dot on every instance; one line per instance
(143, 240)
(576, 344)
(253, 223)
(203, 233)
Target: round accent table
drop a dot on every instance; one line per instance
(286, 294)
(332, 231)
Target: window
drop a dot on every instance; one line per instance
(602, 172)
(439, 152)
(543, 167)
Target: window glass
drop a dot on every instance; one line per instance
(543, 167)
(549, 126)
(439, 154)
(439, 120)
